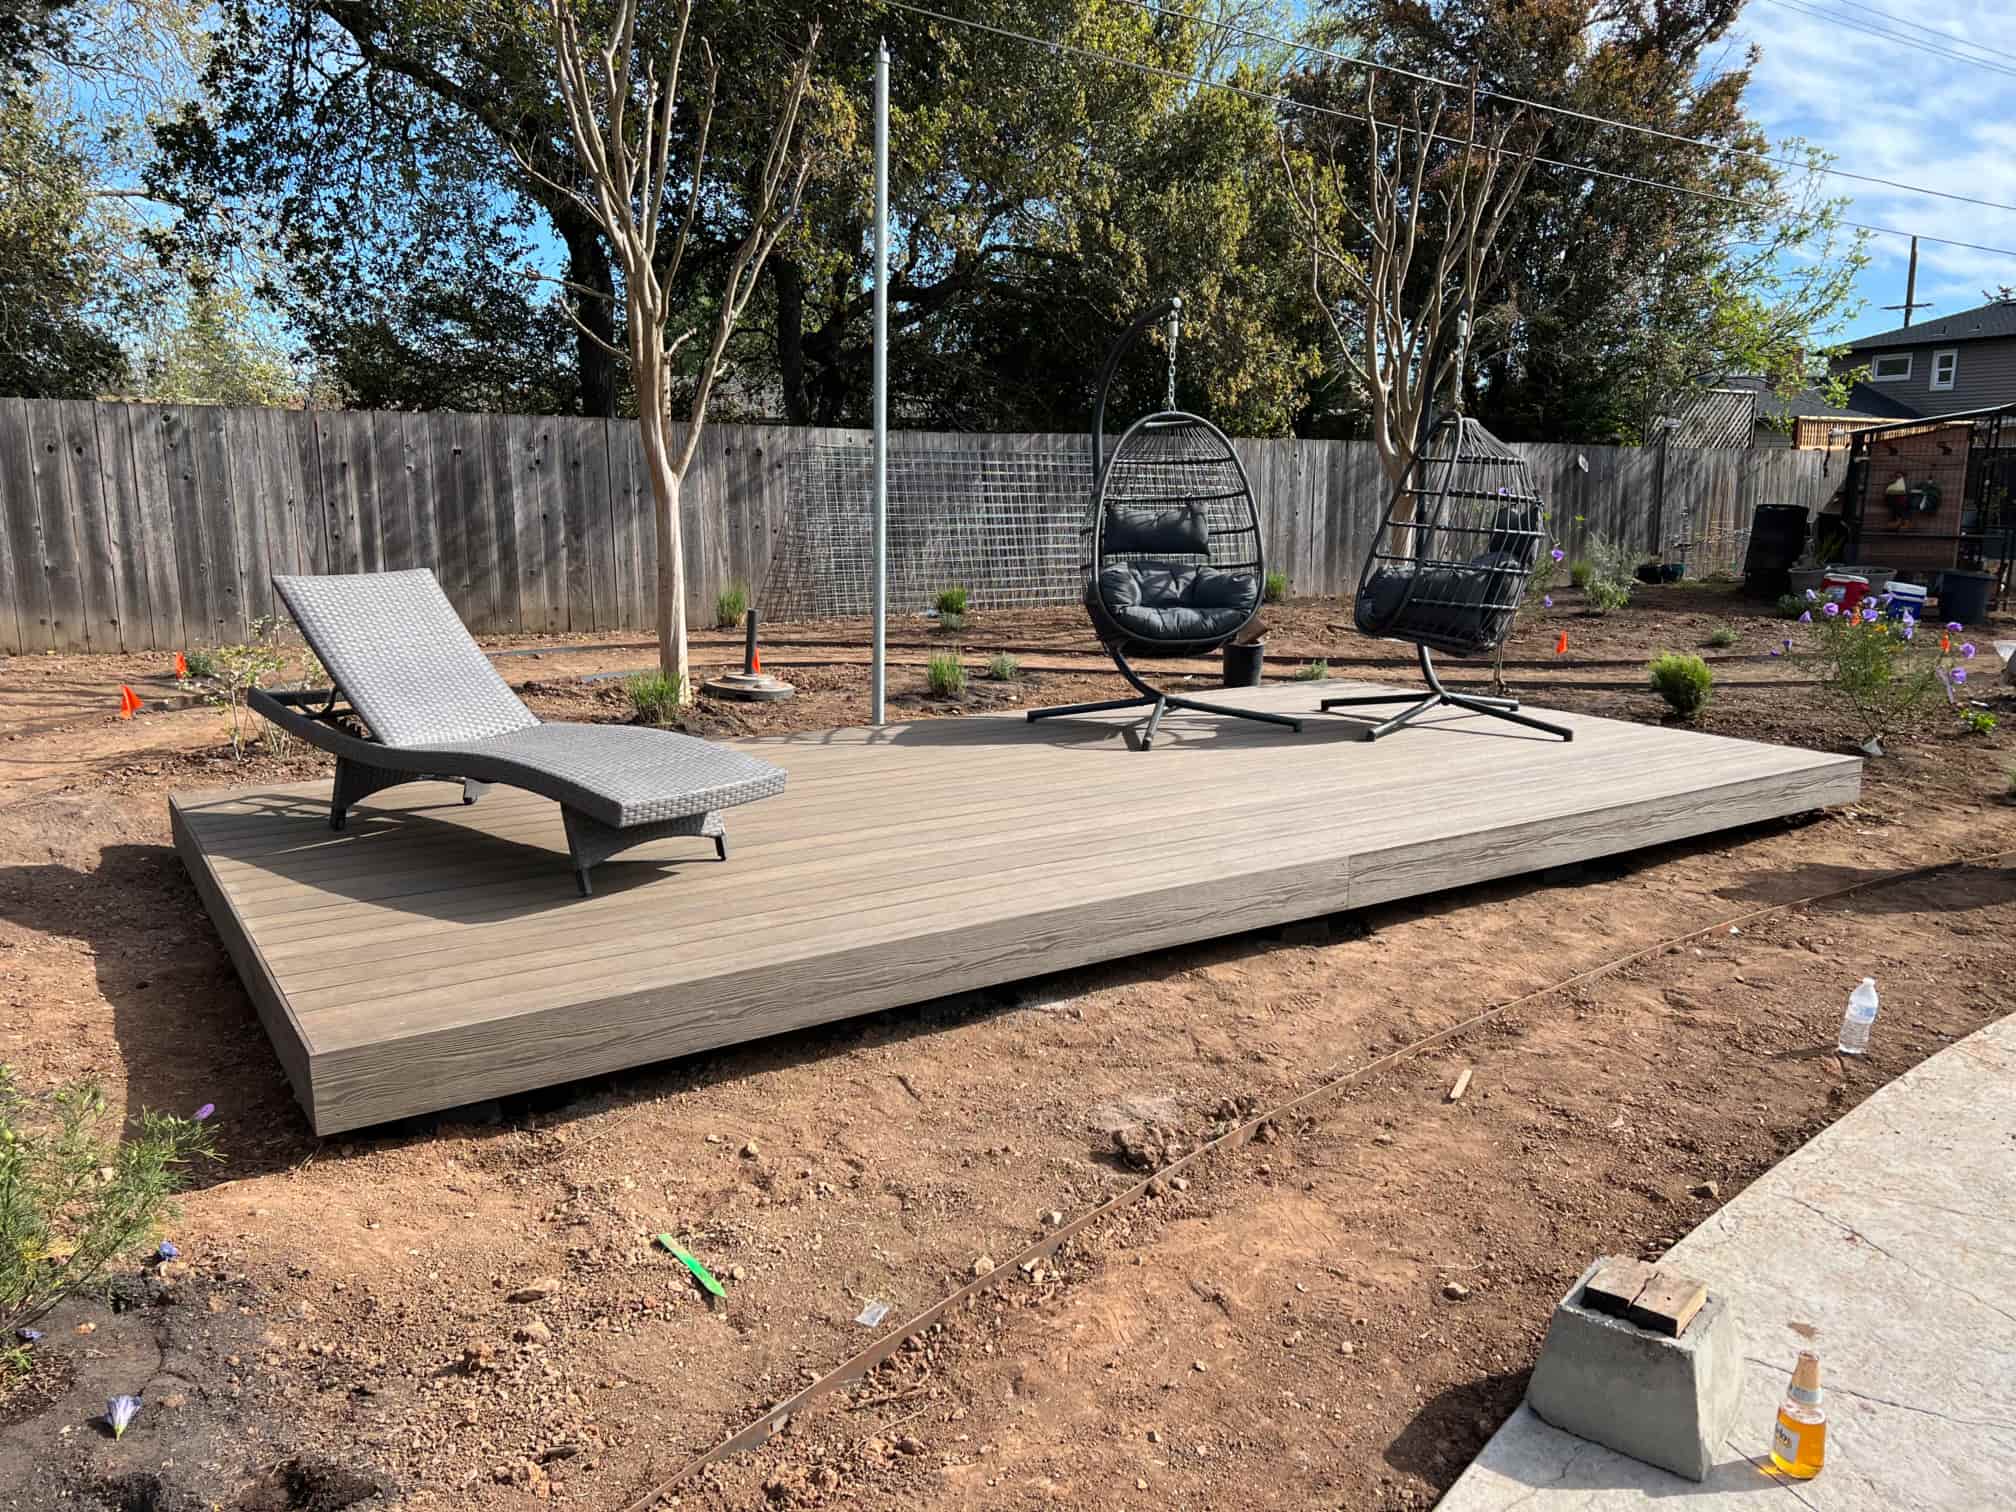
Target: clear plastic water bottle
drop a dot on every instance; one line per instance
(1860, 1015)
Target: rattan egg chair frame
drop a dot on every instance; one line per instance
(1172, 558)
(1449, 566)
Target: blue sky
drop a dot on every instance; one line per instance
(1893, 112)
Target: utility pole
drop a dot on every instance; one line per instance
(1911, 300)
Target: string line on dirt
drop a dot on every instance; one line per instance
(761, 1429)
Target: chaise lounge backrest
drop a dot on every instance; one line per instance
(395, 646)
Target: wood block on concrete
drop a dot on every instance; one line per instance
(1667, 1304)
(1616, 1285)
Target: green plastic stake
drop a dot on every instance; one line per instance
(700, 1272)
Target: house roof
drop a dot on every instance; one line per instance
(1985, 322)
(1864, 402)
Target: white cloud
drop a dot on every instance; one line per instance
(1892, 112)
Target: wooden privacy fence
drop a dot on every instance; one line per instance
(130, 527)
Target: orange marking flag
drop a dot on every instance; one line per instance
(181, 665)
(1561, 645)
(755, 661)
(129, 702)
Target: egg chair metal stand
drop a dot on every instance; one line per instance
(1449, 566)
(1172, 559)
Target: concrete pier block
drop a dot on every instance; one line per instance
(1667, 1401)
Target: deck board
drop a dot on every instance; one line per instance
(435, 954)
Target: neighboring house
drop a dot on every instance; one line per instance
(1745, 411)
(1943, 366)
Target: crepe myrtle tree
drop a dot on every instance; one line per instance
(620, 96)
(1401, 227)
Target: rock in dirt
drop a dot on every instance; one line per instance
(1709, 1189)
(535, 1291)
(1455, 1291)
(984, 1265)
(534, 1332)
(1151, 1146)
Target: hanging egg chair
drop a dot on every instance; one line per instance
(1172, 561)
(1449, 565)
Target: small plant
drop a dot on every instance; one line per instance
(1978, 721)
(1724, 636)
(946, 675)
(198, 666)
(950, 601)
(1792, 605)
(1611, 577)
(1003, 668)
(1276, 589)
(1314, 671)
(951, 620)
(1684, 681)
(1885, 670)
(655, 698)
(74, 1197)
(730, 605)
(232, 672)
(1581, 572)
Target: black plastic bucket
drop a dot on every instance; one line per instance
(1963, 596)
(1242, 664)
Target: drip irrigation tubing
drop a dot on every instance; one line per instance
(759, 1431)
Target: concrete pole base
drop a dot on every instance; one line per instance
(1667, 1401)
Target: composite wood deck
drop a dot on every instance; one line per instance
(435, 954)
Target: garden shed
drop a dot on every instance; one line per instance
(1932, 496)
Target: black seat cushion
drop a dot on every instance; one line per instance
(1449, 604)
(1176, 529)
(1171, 602)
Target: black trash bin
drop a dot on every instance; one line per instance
(1963, 596)
(1242, 664)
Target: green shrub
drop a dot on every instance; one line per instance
(1684, 681)
(1314, 671)
(951, 620)
(655, 697)
(74, 1196)
(1978, 721)
(1724, 636)
(1581, 572)
(1276, 589)
(950, 600)
(730, 605)
(1003, 668)
(1611, 576)
(230, 672)
(1882, 669)
(946, 675)
(200, 665)
(1792, 605)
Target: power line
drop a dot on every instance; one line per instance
(1900, 38)
(1562, 110)
(1264, 97)
(1930, 31)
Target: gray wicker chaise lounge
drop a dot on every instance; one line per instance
(414, 699)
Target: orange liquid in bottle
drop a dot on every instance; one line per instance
(1799, 1439)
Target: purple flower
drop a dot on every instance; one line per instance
(1910, 629)
(1869, 614)
(205, 1111)
(1558, 554)
(1954, 626)
(1806, 618)
(1959, 675)
(1788, 643)
(167, 1250)
(1811, 595)
(1504, 493)
(30, 1335)
(1776, 652)
(1830, 609)
(1967, 649)
(1908, 617)
(1546, 601)
(120, 1411)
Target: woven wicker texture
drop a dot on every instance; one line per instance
(619, 774)
(394, 644)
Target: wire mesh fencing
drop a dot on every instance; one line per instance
(999, 521)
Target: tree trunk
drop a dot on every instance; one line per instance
(589, 268)
(790, 284)
(665, 482)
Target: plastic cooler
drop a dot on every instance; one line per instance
(1905, 596)
(1843, 588)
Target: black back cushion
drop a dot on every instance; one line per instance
(1161, 530)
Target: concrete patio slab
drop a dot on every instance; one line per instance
(1887, 1244)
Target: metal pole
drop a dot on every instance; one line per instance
(1911, 284)
(877, 665)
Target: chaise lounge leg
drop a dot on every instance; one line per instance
(472, 789)
(355, 781)
(591, 842)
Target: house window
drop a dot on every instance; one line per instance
(1894, 368)
(1945, 365)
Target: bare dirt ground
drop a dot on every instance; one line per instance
(1335, 1316)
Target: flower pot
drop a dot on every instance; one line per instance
(1242, 664)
